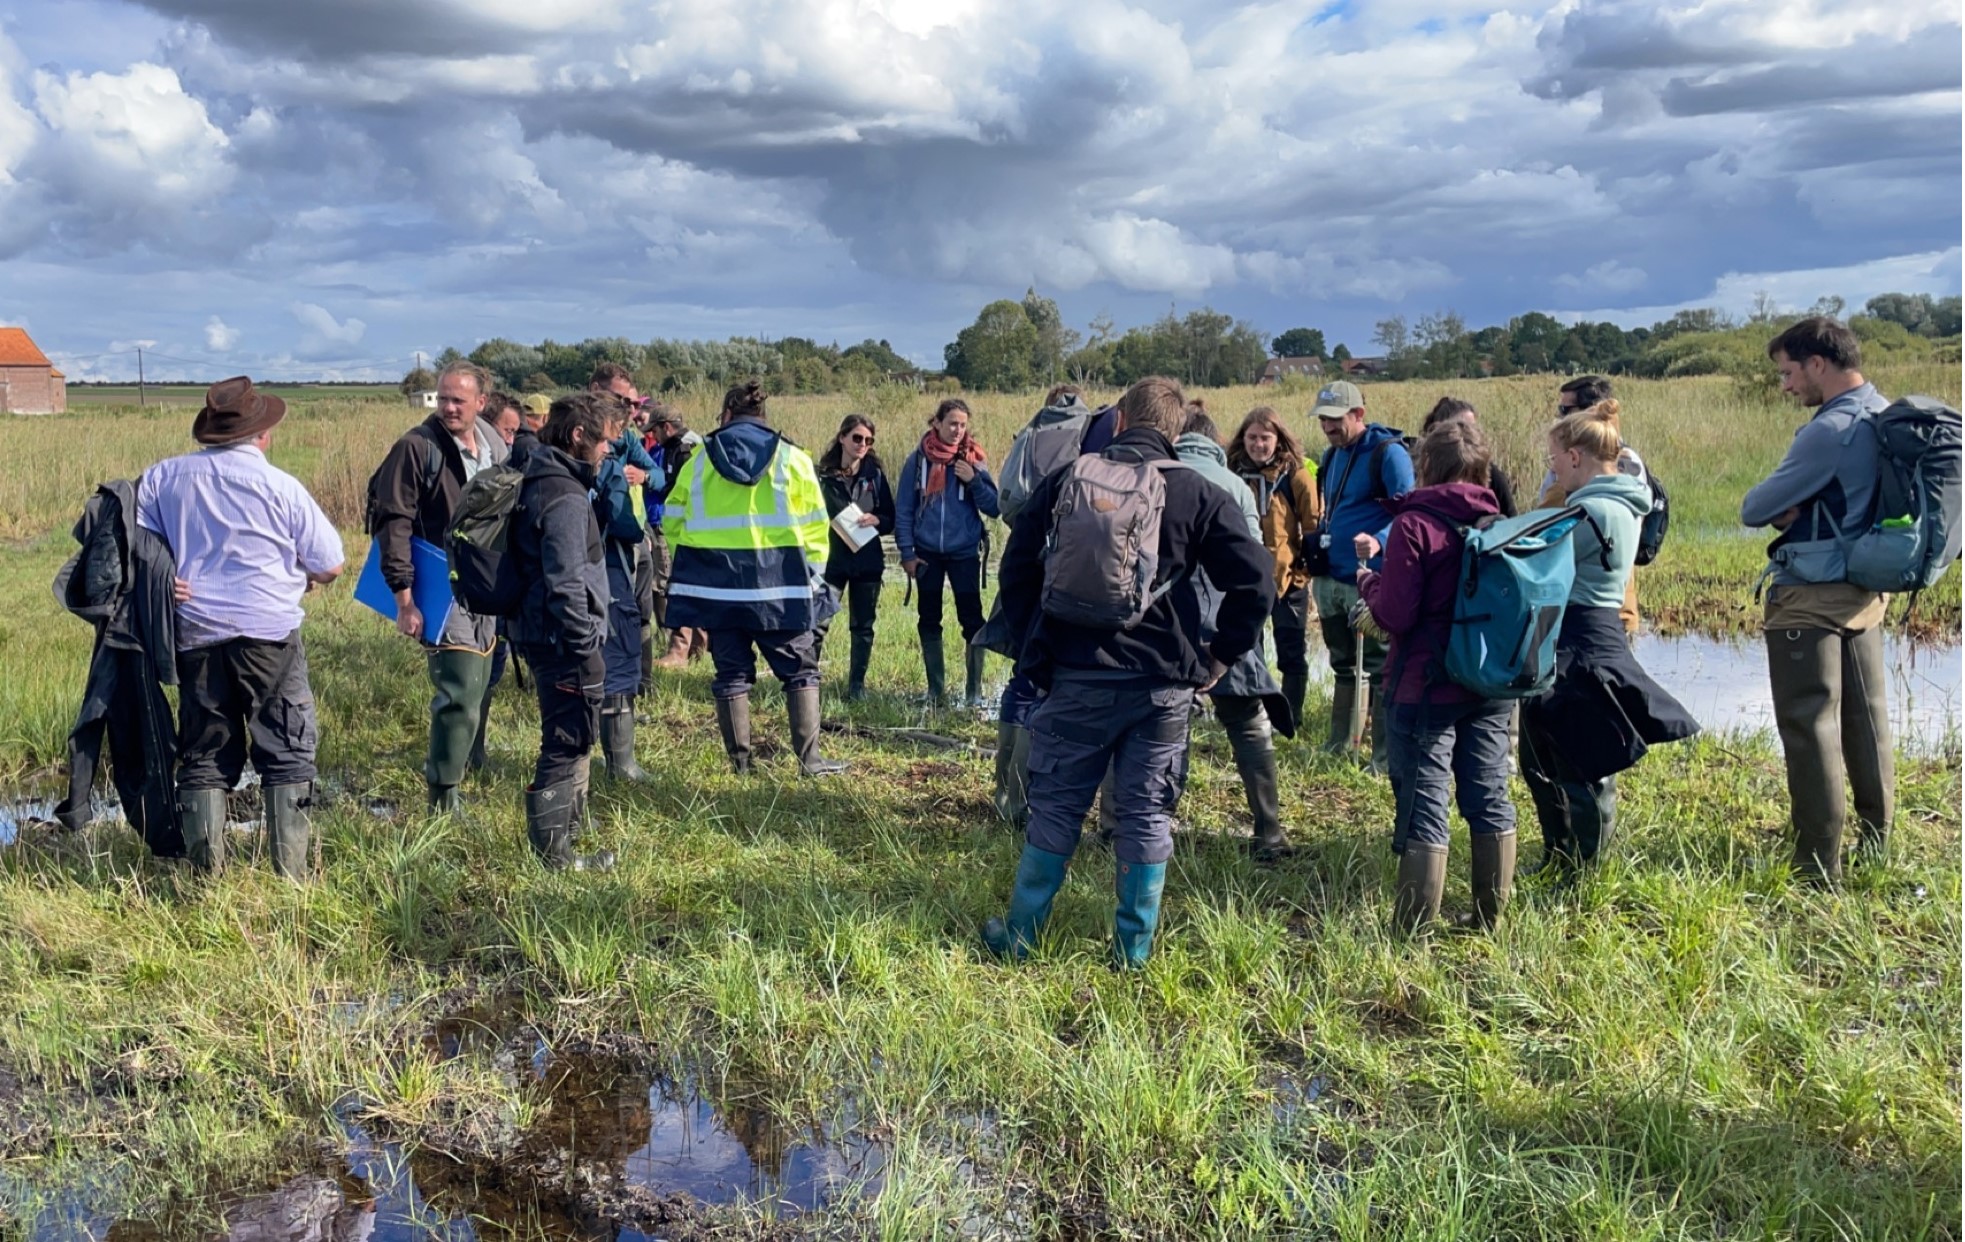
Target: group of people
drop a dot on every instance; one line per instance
(1147, 554)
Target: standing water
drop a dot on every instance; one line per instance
(1724, 685)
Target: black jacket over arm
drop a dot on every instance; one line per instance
(1201, 527)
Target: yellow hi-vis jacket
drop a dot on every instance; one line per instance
(746, 525)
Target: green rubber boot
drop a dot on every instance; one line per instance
(1040, 874)
(1138, 914)
(201, 818)
(286, 830)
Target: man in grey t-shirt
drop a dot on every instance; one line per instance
(1825, 636)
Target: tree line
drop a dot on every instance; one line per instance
(1020, 344)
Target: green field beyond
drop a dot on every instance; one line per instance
(1686, 1045)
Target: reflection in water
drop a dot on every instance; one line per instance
(604, 1125)
(1724, 685)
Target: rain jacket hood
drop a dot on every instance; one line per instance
(742, 450)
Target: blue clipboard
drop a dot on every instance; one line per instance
(430, 587)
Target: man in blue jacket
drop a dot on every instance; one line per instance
(621, 509)
(1366, 465)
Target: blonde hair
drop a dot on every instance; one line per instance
(1594, 430)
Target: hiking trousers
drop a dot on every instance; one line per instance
(793, 657)
(245, 697)
(1433, 744)
(963, 574)
(1086, 725)
(569, 689)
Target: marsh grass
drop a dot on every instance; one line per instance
(1686, 1045)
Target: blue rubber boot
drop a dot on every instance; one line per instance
(1040, 874)
(1138, 915)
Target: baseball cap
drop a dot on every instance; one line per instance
(538, 403)
(1338, 399)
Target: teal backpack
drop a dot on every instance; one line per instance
(1515, 577)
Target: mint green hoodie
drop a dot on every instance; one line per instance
(1618, 502)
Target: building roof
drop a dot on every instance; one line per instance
(17, 349)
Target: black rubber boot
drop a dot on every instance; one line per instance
(1494, 879)
(973, 679)
(201, 819)
(1012, 793)
(286, 830)
(931, 665)
(1247, 726)
(1422, 881)
(733, 720)
(1296, 686)
(802, 707)
(859, 656)
(617, 738)
(549, 829)
(1339, 739)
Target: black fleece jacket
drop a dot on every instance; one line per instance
(1201, 526)
(556, 547)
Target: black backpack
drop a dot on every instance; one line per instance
(483, 576)
(1651, 532)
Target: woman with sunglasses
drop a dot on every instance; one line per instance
(850, 473)
(945, 494)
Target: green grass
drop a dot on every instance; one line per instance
(1686, 1046)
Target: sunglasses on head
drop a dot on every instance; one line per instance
(859, 437)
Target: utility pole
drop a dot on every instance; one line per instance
(139, 376)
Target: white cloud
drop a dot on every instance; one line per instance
(323, 328)
(1609, 276)
(136, 130)
(669, 166)
(1934, 272)
(220, 337)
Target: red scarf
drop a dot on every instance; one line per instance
(942, 454)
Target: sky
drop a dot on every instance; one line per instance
(320, 190)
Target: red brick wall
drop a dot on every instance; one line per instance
(32, 390)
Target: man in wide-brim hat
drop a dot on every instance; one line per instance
(248, 541)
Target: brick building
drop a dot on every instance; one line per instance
(29, 383)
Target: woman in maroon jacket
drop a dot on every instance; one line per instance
(1439, 729)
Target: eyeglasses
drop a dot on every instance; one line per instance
(857, 438)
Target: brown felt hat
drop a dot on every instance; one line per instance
(234, 411)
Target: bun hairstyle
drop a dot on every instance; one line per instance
(1595, 430)
(1454, 451)
(1444, 409)
(744, 400)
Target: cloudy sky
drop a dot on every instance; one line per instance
(300, 190)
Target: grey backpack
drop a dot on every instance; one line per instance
(1102, 557)
(1045, 444)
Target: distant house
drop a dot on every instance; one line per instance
(1276, 369)
(1364, 366)
(425, 397)
(29, 383)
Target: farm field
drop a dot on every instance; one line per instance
(97, 395)
(769, 1021)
